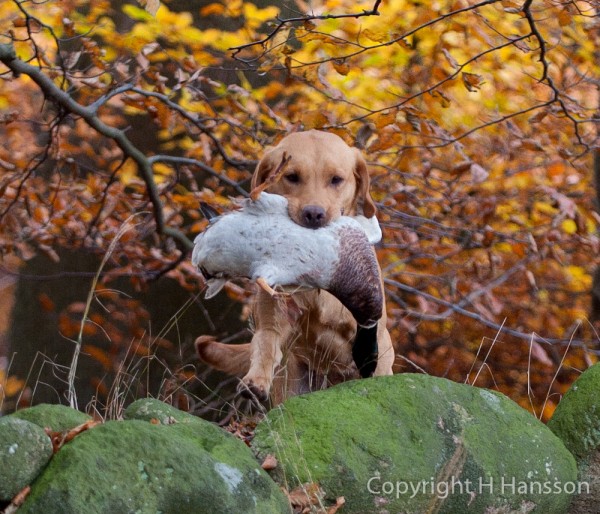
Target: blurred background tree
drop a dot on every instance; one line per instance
(479, 121)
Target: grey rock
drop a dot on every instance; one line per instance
(24, 451)
(57, 418)
(179, 466)
(576, 421)
(415, 444)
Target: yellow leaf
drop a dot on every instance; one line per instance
(135, 13)
(580, 281)
(545, 208)
(379, 36)
(128, 172)
(234, 8)
(503, 247)
(280, 39)
(258, 16)
(161, 172)
(569, 226)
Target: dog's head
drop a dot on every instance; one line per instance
(324, 179)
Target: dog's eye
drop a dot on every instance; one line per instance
(292, 178)
(336, 180)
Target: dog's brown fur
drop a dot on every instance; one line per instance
(304, 342)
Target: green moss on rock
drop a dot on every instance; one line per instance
(576, 419)
(55, 417)
(148, 409)
(137, 466)
(24, 451)
(372, 440)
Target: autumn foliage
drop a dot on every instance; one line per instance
(478, 120)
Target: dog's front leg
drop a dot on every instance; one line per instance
(273, 329)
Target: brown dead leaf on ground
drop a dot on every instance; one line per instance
(60, 438)
(17, 501)
(269, 463)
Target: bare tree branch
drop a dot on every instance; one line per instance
(199, 164)
(303, 19)
(64, 101)
(484, 321)
(545, 69)
(197, 122)
(536, 33)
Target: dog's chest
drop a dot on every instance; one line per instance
(320, 318)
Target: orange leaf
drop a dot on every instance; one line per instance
(472, 81)
(99, 355)
(341, 66)
(211, 9)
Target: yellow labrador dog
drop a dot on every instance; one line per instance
(304, 343)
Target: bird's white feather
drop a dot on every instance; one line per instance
(260, 240)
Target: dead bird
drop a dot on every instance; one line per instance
(262, 243)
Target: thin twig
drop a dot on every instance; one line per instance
(303, 19)
(272, 178)
(89, 115)
(71, 394)
(481, 319)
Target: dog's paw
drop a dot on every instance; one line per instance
(254, 389)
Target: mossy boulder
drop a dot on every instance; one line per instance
(149, 409)
(24, 451)
(57, 418)
(416, 443)
(576, 421)
(184, 465)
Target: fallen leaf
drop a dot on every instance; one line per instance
(339, 503)
(17, 501)
(61, 438)
(305, 496)
(269, 463)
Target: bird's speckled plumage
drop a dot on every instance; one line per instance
(260, 240)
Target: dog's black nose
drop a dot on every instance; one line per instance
(313, 216)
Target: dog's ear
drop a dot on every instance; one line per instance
(363, 183)
(264, 168)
